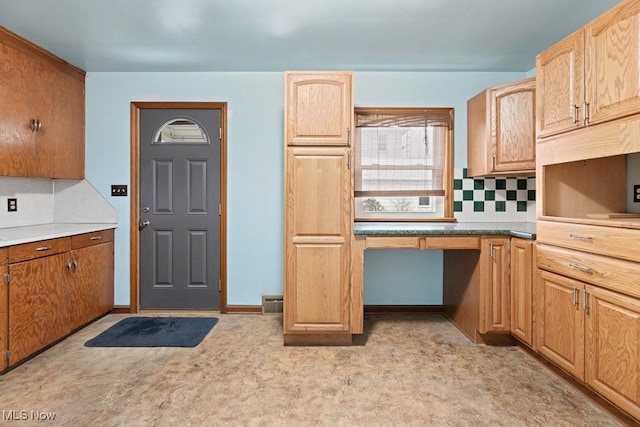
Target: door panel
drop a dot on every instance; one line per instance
(180, 190)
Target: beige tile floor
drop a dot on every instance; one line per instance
(407, 370)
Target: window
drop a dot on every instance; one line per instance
(404, 164)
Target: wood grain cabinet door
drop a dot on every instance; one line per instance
(318, 223)
(513, 127)
(612, 55)
(560, 322)
(522, 290)
(38, 304)
(613, 347)
(90, 283)
(494, 288)
(4, 307)
(319, 108)
(560, 86)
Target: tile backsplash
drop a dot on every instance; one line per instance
(493, 199)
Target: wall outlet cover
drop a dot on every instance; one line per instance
(12, 205)
(636, 193)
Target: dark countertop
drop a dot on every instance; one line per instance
(525, 230)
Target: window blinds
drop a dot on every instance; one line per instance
(401, 152)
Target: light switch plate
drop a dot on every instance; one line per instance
(12, 205)
(118, 190)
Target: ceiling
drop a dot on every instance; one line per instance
(277, 35)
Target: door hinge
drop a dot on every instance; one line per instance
(219, 285)
(6, 355)
(220, 134)
(219, 209)
(6, 278)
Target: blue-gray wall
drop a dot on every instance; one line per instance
(255, 167)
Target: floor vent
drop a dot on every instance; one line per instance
(272, 304)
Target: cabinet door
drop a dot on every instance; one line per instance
(61, 140)
(4, 307)
(522, 290)
(17, 108)
(560, 322)
(90, 283)
(560, 86)
(612, 55)
(38, 304)
(319, 108)
(613, 348)
(513, 128)
(494, 289)
(318, 224)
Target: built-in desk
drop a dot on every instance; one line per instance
(474, 254)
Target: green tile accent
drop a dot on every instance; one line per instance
(489, 195)
(464, 173)
(522, 206)
(467, 195)
(457, 184)
(522, 184)
(512, 195)
(501, 184)
(457, 206)
(531, 195)
(478, 184)
(501, 206)
(478, 206)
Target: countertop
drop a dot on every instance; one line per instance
(525, 230)
(33, 233)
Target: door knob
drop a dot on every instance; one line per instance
(142, 224)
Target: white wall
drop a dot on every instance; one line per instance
(255, 166)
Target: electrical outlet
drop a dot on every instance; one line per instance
(118, 190)
(636, 193)
(12, 205)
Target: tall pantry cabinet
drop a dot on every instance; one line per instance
(318, 207)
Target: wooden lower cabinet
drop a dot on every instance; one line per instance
(49, 296)
(560, 322)
(494, 287)
(90, 283)
(612, 347)
(38, 304)
(593, 334)
(4, 307)
(522, 252)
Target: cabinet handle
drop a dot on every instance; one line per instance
(582, 268)
(43, 248)
(68, 267)
(576, 303)
(580, 236)
(74, 265)
(36, 125)
(585, 300)
(491, 250)
(96, 238)
(576, 119)
(493, 164)
(586, 112)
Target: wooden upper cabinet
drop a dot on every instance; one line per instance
(41, 112)
(319, 108)
(560, 86)
(592, 76)
(501, 130)
(612, 63)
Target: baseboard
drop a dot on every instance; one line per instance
(403, 309)
(121, 309)
(244, 309)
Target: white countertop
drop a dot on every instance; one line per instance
(33, 233)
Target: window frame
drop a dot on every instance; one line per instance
(447, 166)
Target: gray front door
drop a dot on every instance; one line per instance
(179, 208)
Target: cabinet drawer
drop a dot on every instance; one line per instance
(4, 256)
(90, 239)
(611, 241)
(38, 249)
(615, 274)
(393, 242)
